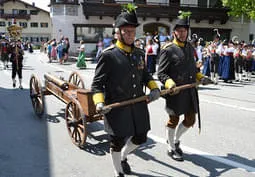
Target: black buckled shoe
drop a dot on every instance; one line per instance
(125, 167)
(178, 149)
(120, 175)
(175, 155)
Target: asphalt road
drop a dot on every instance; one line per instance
(42, 147)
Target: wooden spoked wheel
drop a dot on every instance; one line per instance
(76, 123)
(36, 95)
(76, 80)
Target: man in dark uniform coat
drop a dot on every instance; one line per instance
(177, 66)
(121, 75)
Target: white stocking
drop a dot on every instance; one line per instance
(128, 148)
(181, 129)
(116, 162)
(170, 133)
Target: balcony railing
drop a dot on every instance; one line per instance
(101, 9)
(16, 16)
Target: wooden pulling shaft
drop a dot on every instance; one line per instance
(62, 84)
(145, 97)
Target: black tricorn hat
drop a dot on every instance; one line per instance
(183, 19)
(184, 22)
(127, 18)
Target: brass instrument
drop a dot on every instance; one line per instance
(217, 31)
(234, 39)
(14, 31)
(194, 36)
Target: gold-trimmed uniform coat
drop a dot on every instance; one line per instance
(122, 76)
(178, 63)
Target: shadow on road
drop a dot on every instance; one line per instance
(97, 140)
(24, 139)
(207, 88)
(216, 168)
(147, 157)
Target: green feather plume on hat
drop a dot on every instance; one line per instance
(183, 14)
(129, 7)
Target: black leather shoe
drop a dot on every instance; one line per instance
(120, 175)
(125, 167)
(175, 155)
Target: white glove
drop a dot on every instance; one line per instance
(100, 108)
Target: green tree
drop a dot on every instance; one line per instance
(240, 7)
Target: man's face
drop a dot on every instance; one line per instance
(137, 43)
(181, 34)
(128, 33)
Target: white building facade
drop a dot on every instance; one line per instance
(91, 20)
(36, 22)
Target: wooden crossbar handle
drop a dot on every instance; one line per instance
(145, 97)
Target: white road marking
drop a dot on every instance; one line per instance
(228, 105)
(207, 155)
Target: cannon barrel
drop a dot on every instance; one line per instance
(61, 83)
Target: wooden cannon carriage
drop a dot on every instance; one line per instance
(80, 108)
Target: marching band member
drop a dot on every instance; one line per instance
(253, 56)
(215, 58)
(247, 56)
(4, 50)
(206, 61)
(198, 55)
(238, 61)
(228, 73)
